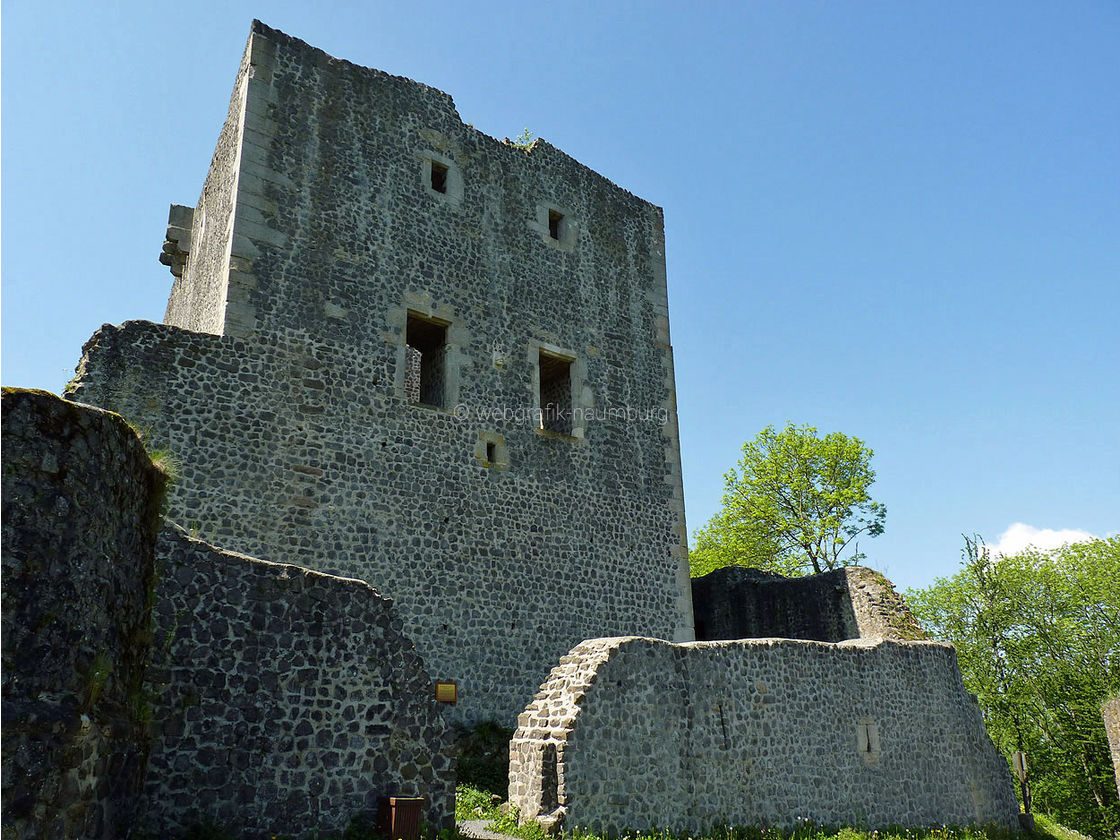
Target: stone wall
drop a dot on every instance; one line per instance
(631, 733)
(297, 440)
(1111, 712)
(848, 603)
(163, 683)
(284, 701)
(80, 511)
(198, 299)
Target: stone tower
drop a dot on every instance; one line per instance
(399, 350)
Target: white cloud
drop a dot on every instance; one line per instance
(1020, 535)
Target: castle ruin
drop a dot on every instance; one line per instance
(401, 351)
(418, 386)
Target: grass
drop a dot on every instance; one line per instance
(474, 804)
(483, 762)
(1047, 829)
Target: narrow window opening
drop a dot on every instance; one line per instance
(555, 393)
(550, 779)
(554, 220)
(867, 740)
(439, 177)
(490, 451)
(425, 359)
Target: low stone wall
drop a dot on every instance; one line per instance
(1111, 712)
(284, 701)
(80, 509)
(272, 699)
(632, 733)
(849, 603)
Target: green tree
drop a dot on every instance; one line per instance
(1038, 639)
(793, 504)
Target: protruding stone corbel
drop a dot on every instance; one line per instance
(177, 244)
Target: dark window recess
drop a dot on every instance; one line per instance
(439, 177)
(550, 779)
(425, 359)
(555, 219)
(491, 451)
(556, 393)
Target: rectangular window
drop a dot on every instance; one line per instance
(555, 222)
(425, 359)
(555, 393)
(867, 740)
(439, 177)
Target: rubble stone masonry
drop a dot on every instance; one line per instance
(849, 603)
(641, 734)
(346, 208)
(284, 701)
(80, 514)
(164, 683)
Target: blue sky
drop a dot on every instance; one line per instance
(897, 220)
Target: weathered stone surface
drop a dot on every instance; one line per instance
(286, 398)
(849, 603)
(272, 699)
(400, 350)
(631, 733)
(177, 244)
(80, 512)
(284, 701)
(1111, 712)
